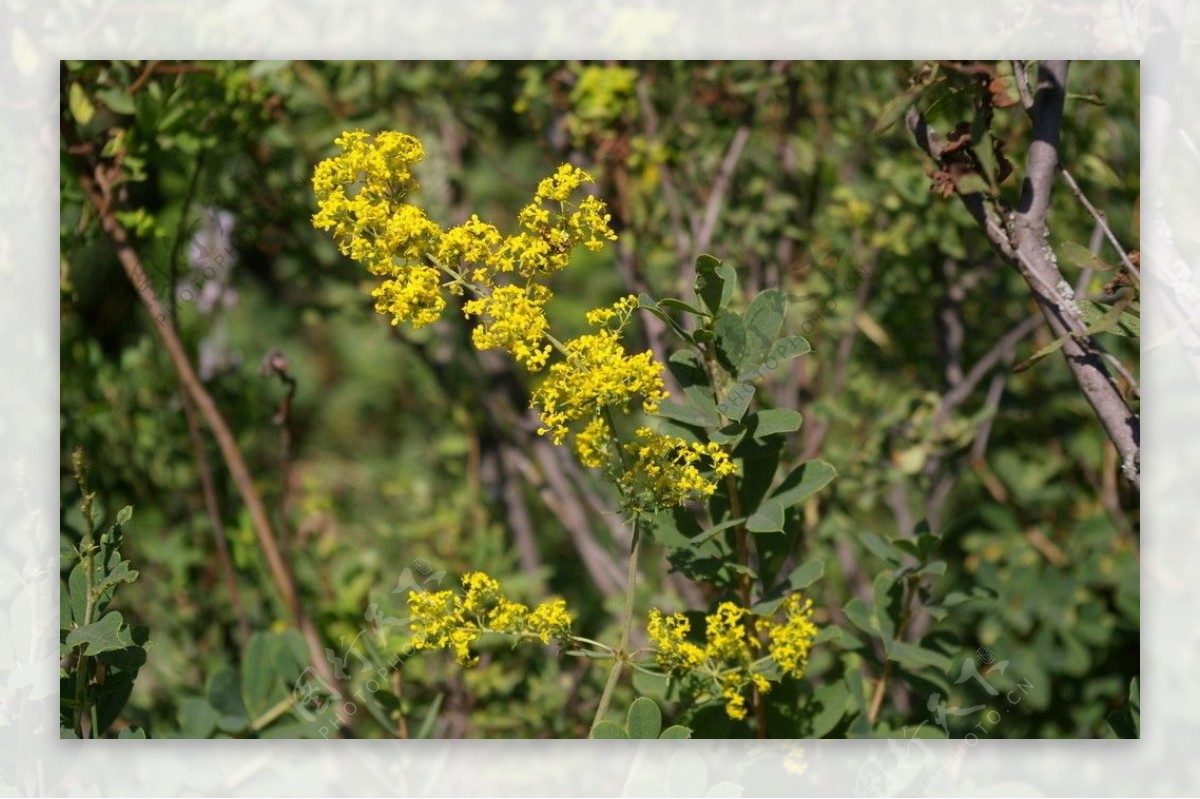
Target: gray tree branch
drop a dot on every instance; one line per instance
(1020, 236)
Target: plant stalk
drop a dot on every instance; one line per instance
(621, 655)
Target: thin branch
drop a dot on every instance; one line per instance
(1023, 241)
(979, 370)
(622, 653)
(213, 508)
(1102, 222)
(1021, 75)
(716, 196)
(720, 186)
(679, 228)
(96, 187)
(275, 363)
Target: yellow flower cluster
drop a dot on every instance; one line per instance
(597, 374)
(446, 620)
(361, 197)
(731, 655)
(360, 201)
(665, 469)
(513, 319)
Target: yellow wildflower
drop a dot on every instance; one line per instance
(559, 186)
(597, 373)
(791, 641)
(550, 620)
(593, 443)
(730, 657)
(735, 702)
(666, 470)
(444, 620)
(414, 298)
(673, 651)
(512, 318)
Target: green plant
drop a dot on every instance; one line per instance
(100, 652)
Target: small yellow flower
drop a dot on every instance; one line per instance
(445, 620)
(666, 470)
(559, 186)
(596, 373)
(550, 621)
(730, 658)
(593, 444)
(513, 319)
(673, 651)
(791, 641)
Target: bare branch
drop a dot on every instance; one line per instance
(1021, 237)
(1102, 222)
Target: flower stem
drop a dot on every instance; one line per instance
(621, 655)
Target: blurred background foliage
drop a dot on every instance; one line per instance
(408, 456)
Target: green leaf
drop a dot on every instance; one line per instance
(680, 305)
(129, 658)
(804, 481)
(674, 529)
(262, 683)
(729, 335)
(675, 732)
(77, 590)
(914, 658)
(644, 719)
(761, 322)
(775, 420)
(646, 302)
(898, 106)
(81, 107)
(692, 377)
(859, 614)
(937, 568)
(737, 401)
(117, 100)
(1081, 257)
(608, 729)
(806, 574)
(1126, 722)
(64, 606)
(121, 573)
(687, 413)
(711, 532)
(124, 515)
(225, 695)
(1049, 349)
(131, 732)
(425, 730)
(107, 634)
(767, 519)
(197, 719)
(786, 348)
(760, 461)
(887, 606)
(881, 548)
(714, 282)
(830, 702)
(1110, 319)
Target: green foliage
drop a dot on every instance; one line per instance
(100, 654)
(644, 720)
(811, 332)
